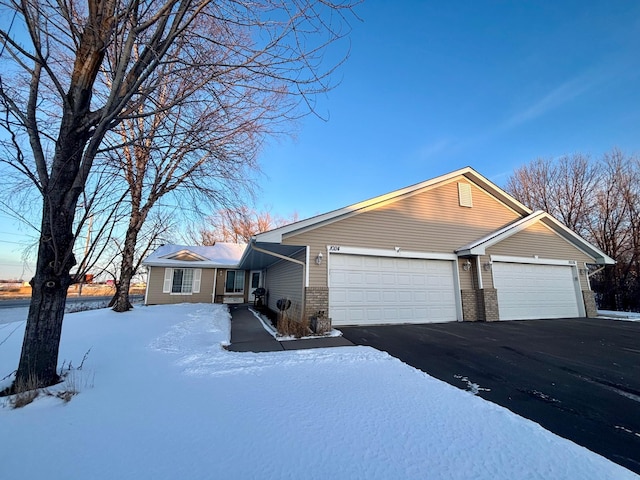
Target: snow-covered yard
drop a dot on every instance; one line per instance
(160, 398)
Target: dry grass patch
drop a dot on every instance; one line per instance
(292, 323)
(27, 392)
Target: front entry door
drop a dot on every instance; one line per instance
(256, 280)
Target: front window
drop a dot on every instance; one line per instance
(235, 281)
(182, 280)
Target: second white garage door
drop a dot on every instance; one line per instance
(369, 290)
(529, 291)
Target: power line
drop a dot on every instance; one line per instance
(15, 243)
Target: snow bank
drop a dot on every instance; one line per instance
(613, 315)
(162, 399)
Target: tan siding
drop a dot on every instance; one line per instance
(430, 221)
(221, 278)
(541, 241)
(468, 279)
(285, 280)
(156, 281)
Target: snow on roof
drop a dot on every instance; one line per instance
(219, 255)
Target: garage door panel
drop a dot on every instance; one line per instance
(527, 291)
(391, 290)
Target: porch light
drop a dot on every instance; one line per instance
(319, 259)
(487, 266)
(466, 266)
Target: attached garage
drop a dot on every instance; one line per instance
(537, 290)
(370, 290)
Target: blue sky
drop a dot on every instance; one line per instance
(434, 86)
(431, 87)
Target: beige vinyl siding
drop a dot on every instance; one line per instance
(541, 241)
(222, 277)
(429, 221)
(156, 280)
(284, 279)
(468, 279)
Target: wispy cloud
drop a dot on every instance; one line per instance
(562, 94)
(434, 149)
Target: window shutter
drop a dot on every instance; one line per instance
(197, 276)
(168, 278)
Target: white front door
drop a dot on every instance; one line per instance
(255, 280)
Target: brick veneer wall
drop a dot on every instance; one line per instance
(471, 309)
(490, 298)
(316, 299)
(480, 305)
(590, 303)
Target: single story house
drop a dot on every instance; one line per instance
(456, 247)
(453, 248)
(180, 273)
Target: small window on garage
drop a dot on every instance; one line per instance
(464, 195)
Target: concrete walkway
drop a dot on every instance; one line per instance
(248, 335)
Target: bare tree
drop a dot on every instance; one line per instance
(564, 188)
(85, 68)
(202, 150)
(236, 225)
(601, 201)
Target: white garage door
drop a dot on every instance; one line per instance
(528, 291)
(369, 290)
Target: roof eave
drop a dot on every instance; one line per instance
(276, 235)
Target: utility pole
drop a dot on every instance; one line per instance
(86, 252)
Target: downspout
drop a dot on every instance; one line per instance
(288, 259)
(146, 290)
(589, 275)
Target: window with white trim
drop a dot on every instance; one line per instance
(235, 281)
(182, 281)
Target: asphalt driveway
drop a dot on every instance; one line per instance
(579, 378)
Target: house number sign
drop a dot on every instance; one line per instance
(334, 248)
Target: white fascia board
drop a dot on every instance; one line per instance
(187, 264)
(276, 235)
(572, 237)
(383, 252)
(479, 246)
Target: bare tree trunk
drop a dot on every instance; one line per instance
(121, 302)
(39, 357)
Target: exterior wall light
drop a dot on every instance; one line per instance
(487, 266)
(466, 266)
(319, 259)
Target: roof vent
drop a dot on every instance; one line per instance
(464, 195)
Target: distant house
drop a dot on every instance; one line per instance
(453, 248)
(181, 273)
